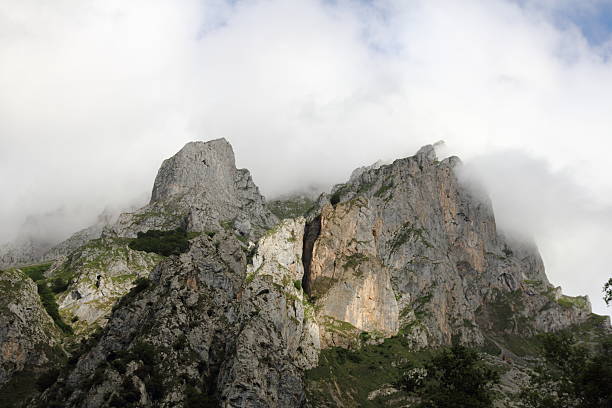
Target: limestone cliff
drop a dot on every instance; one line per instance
(407, 248)
(403, 254)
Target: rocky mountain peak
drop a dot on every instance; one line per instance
(427, 152)
(197, 168)
(200, 189)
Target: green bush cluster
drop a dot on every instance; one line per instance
(454, 377)
(47, 298)
(571, 376)
(148, 355)
(36, 272)
(164, 243)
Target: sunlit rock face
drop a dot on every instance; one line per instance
(347, 277)
(407, 248)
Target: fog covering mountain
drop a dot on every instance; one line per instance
(402, 255)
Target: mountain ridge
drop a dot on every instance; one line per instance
(402, 250)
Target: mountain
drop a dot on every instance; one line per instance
(204, 298)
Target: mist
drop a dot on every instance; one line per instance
(95, 94)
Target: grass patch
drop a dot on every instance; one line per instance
(569, 302)
(36, 272)
(47, 298)
(351, 376)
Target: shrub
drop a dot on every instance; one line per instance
(140, 284)
(455, 377)
(48, 300)
(298, 284)
(144, 352)
(36, 272)
(47, 379)
(59, 285)
(164, 243)
(572, 376)
(196, 399)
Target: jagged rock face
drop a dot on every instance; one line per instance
(186, 316)
(199, 188)
(347, 277)
(29, 340)
(278, 337)
(407, 247)
(214, 328)
(98, 274)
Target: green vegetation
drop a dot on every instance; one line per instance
(321, 285)
(46, 294)
(406, 233)
(36, 272)
(607, 290)
(354, 260)
(454, 377)
(297, 284)
(351, 375)
(449, 377)
(568, 302)
(291, 208)
(336, 197)
(47, 298)
(571, 375)
(148, 357)
(388, 185)
(164, 243)
(197, 399)
(18, 389)
(364, 187)
(59, 285)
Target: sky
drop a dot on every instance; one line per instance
(95, 94)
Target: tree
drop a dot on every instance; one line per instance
(570, 375)
(607, 289)
(455, 377)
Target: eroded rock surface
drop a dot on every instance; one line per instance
(218, 331)
(200, 189)
(29, 340)
(96, 276)
(406, 247)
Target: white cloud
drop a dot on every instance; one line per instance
(94, 94)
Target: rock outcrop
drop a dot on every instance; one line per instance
(30, 343)
(200, 189)
(406, 247)
(96, 276)
(206, 328)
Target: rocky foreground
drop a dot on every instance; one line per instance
(402, 256)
